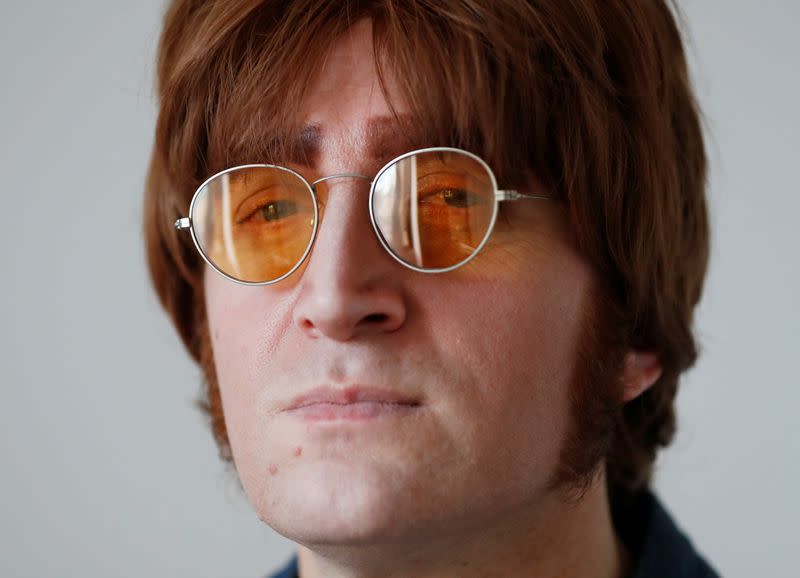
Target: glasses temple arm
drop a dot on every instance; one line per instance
(516, 196)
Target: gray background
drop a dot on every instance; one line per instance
(108, 470)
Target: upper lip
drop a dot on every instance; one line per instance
(349, 394)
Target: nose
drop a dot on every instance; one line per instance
(350, 287)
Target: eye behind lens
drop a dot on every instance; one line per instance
(255, 224)
(433, 210)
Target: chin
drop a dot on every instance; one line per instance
(335, 505)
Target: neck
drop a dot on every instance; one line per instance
(553, 539)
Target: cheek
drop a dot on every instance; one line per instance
(228, 327)
(514, 344)
(245, 323)
(523, 327)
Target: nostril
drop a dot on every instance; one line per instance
(349, 311)
(375, 317)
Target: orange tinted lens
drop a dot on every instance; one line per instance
(254, 224)
(434, 209)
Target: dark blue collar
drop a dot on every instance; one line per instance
(663, 549)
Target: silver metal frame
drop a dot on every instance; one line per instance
(499, 196)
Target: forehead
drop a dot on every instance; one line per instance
(364, 98)
(347, 80)
(348, 106)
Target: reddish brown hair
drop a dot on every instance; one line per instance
(591, 97)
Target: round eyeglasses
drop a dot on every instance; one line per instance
(432, 210)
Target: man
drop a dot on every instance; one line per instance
(438, 262)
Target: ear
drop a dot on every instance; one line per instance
(641, 370)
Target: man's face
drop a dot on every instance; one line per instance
(487, 350)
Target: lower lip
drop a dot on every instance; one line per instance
(358, 411)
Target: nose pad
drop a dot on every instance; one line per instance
(349, 286)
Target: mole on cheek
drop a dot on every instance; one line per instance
(297, 451)
(273, 469)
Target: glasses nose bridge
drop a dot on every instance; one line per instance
(340, 176)
(314, 184)
(324, 179)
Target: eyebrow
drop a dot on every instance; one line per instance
(388, 137)
(383, 138)
(300, 146)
